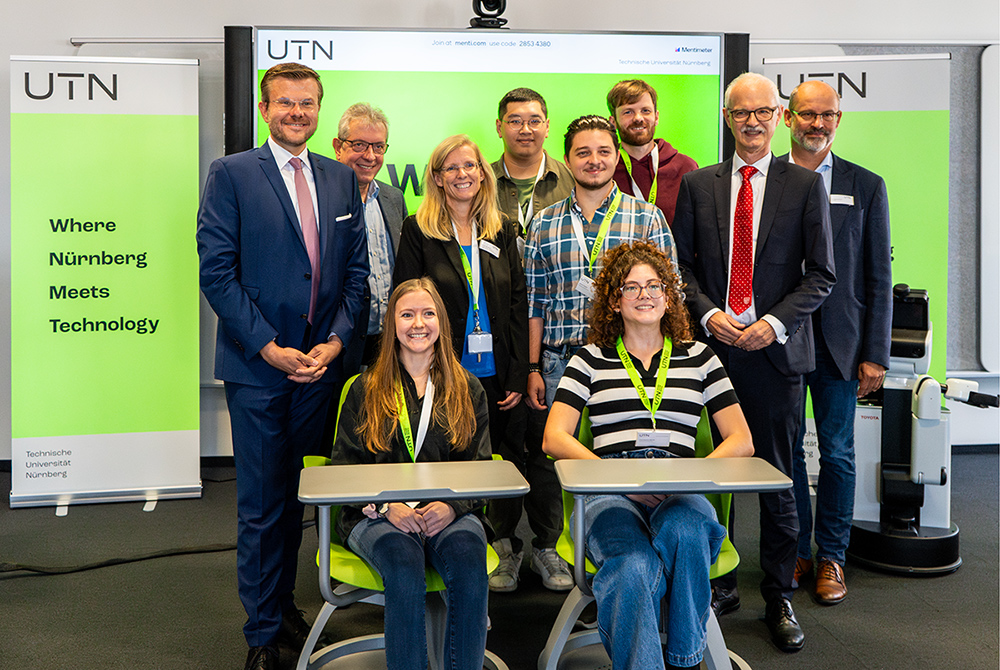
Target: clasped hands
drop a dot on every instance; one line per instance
(729, 331)
(299, 367)
(428, 520)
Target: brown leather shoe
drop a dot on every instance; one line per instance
(830, 587)
(803, 570)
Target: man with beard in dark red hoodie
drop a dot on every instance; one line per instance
(632, 103)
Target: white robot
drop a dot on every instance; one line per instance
(902, 502)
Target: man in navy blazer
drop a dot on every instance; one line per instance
(852, 331)
(759, 326)
(283, 263)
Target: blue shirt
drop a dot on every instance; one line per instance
(480, 365)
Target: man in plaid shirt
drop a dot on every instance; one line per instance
(560, 270)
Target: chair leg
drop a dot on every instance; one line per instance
(716, 655)
(561, 629)
(314, 633)
(436, 624)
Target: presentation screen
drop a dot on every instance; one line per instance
(432, 84)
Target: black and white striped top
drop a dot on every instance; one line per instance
(595, 378)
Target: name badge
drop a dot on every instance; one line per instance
(586, 286)
(520, 249)
(492, 249)
(841, 199)
(652, 438)
(480, 342)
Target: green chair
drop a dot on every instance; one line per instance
(563, 640)
(360, 582)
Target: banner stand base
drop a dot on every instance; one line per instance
(125, 495)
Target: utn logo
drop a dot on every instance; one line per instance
(89, 80)
(835, 79)
(299, 50)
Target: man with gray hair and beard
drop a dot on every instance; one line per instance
(851, 331)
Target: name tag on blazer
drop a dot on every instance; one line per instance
(345, 217)
(840, 199)
(492, 249)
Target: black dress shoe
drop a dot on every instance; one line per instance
(786, 633)
(262, 658)
(725, 601)
(294, 629)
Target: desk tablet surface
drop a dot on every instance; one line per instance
(397, 482)
(670, 475)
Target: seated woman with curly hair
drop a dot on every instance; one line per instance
(645, 383)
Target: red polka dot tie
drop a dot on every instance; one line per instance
(741, 268)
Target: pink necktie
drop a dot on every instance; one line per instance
(307, 219)
(741, 268)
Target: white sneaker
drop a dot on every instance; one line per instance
(504, 578)
(553, 569)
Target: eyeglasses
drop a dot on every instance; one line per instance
(451, 170)
(763, 114)
(533, 123)
(287, 105)
(809, 117)
(360, 146)
(632, 291)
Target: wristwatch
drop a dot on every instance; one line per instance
(535, 367)
(382, 510)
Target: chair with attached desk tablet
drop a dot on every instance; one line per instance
(326, 487)
(580, 478)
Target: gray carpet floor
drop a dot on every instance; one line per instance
(183, 612)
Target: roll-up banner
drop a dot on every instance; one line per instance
(896, 124)
(104, 280)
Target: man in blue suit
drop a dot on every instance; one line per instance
(851, 331)
(284, 263)
(754, 250)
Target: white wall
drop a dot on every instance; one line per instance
(44, 27)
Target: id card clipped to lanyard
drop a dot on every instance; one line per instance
(586, 283)
(414, 446)
(479, 342)
(654, 164)
(654, 437)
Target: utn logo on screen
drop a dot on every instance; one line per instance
(835, 79)
(299, 50)
(67, 81)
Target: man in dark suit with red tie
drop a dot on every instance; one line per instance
(754, 249)
(284, 264)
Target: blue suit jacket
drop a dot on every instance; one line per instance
(857, 317)
(255, 270)
(794, 232)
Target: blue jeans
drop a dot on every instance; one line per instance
(458, 553)
(834, 401)
(643, 554)
(553, 367)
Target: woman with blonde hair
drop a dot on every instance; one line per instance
(461, 240)
(417, 403)
(645, 383)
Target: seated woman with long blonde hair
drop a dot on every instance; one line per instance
(417, 403)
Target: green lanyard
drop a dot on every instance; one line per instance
(635, 187)
(602, 232)
(661, 375)
(471, 276)
(404, 418)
